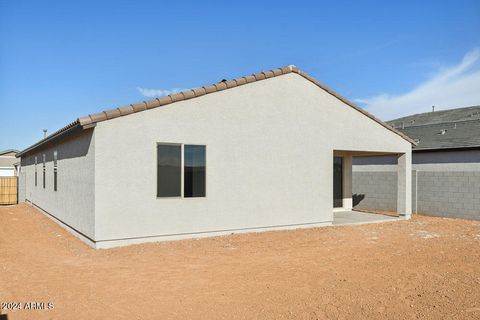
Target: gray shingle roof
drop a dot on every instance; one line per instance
(9, 151)
(455, 128)
(460, 114)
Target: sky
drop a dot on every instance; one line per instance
(60, 60)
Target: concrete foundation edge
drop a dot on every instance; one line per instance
(106, 244)
(87, 240)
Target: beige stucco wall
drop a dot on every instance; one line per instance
(73, 203)
(269, 160)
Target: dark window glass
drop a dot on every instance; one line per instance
(194, 171)
(36, 171)
(44, 170)
(337, 182)
(55, 171)
(169, 170)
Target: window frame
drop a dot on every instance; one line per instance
(182, 170)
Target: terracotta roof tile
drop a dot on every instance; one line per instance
(152, 103)
(199, 91)
(250, 78)
(164, 100)
(176, 97)
(277, 72)
(188, 94)
(96, 117)
(126, 110)
(84, 120)
(210, 89)
(113, 113)
(259, 76)
(231, 83)
(286, 69)
(220, 86)
(268, 74)
(137, 107)
(241, 81)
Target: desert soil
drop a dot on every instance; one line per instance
(427, 268)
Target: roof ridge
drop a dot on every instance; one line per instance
(92, 119)
(439, 123)
(8, 151)
(433, 112)
(182, 95)
(219, 86)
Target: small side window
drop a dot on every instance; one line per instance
(36, 161)
(44, 169)
(55, 169)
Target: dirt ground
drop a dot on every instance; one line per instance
(426, 268)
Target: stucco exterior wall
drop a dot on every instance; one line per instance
(269, 161)
(73, 202)
(22, 187)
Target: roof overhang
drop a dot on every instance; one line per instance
(69, 129)
(461, 148)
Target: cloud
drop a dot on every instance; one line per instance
(152, 93)
(455, 86)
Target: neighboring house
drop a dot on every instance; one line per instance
(8, 163)
(250, 154)
(445, 163)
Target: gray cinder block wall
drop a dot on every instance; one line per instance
(449, 194)
(443, 188)
(375, 190)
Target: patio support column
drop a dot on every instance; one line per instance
(347, 182)
(404, 184)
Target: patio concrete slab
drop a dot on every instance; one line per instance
(358, 217)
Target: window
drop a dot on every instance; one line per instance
(194, 171)
(44, 158)
(36, 160)
(55, 170)
(170, 171)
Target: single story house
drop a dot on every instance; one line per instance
(250, 154)
(445, 164)
(8, 163)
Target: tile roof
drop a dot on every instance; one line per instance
(445, 129)
(92, 119)
(442, 116)
(9, 151)
(448, 135)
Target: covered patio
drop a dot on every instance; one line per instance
(359, 217)
(343, 209)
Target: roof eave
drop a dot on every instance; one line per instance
(70, 128)
(459, 148)
(8, 151)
